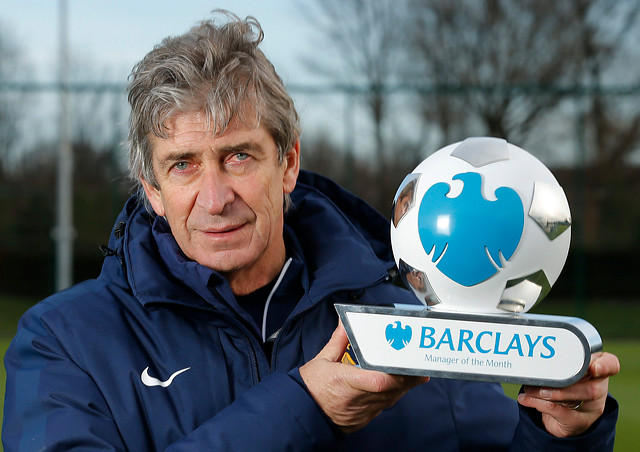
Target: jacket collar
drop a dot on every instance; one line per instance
(342, 241)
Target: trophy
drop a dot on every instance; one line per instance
(480, 231)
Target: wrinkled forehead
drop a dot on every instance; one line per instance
(211, 123)
(193, 131)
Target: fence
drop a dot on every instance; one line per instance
(604, 242)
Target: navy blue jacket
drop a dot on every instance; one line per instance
(74, 369)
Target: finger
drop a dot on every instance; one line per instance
(584, 391)
(593, 386)
(376, 382)
(572, 410)
(334, 349)
(565, 417)
(588, 395)
(604, 365)
(410, 381)
(553, 408)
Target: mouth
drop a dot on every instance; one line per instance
(223, 230)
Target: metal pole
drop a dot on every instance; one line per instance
(64, 206)
(579, 217)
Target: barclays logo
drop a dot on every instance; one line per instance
(470, 235)
(398, 337)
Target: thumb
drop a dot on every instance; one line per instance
(334, 349)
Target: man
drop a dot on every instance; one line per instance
(210, 325)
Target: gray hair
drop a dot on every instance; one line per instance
(216, 69)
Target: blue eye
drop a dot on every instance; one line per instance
(242, 156)
(181, 166)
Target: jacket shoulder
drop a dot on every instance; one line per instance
(73, 311)
(389, 294)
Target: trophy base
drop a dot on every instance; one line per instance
(531, 349)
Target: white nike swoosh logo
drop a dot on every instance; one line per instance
(151, 381)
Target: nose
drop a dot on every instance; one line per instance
(215, 192)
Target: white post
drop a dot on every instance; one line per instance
(64, 233)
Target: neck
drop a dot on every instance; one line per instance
(247, 280)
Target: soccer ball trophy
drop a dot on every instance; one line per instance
(480, 232)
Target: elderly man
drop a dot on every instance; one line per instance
(210, 325)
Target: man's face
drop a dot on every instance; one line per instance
(223, 197)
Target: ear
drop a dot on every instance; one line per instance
(153, 195)
(292, 167)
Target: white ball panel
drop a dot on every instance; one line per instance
(535, 250)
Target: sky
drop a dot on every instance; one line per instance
(112, 35)
(108, 37)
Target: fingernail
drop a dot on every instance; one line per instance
(596, 369)
(521, 398)
(545, 393)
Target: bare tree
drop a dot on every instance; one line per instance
(513, 69)
(609, 30)
(12, 68)
(481, 54)
(501, 66)
(367, 35)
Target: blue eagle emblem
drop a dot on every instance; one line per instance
(398, 336)
(468, 234)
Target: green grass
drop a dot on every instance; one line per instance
(624, 388)
(618, 324)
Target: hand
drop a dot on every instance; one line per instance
(572, 410)
(351, 396)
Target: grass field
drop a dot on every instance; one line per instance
(617, 322)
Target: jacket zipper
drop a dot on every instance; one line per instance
(256, 373)
(290, 321)
(251, 341)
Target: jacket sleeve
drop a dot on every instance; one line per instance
(50, 402)
(486, 419)
(275, 415)
(531, 435)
